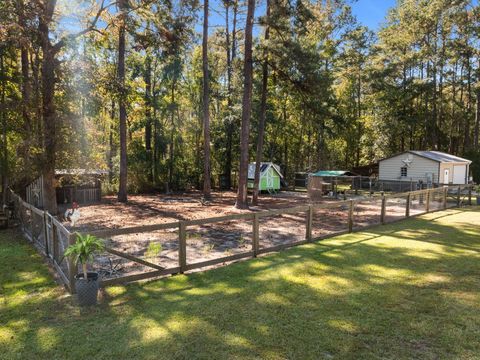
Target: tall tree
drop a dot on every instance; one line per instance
(122, 189)
(263, 111)
(50, 62)
(48, 106)
(206, 104)
(242, 194)
(3, 116)
(148, 114)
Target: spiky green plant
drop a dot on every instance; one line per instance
(83, 249)
(154, 249)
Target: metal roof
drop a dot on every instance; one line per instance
(80, 172)
(264, 166)
(437, 156)
(440, 156)
(330, 173)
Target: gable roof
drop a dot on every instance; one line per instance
(437, 156)
(264, 166)
(331, 173)
(440, 156)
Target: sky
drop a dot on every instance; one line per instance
(372, 13)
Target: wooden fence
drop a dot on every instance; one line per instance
(80, 194)
(48, 235)
(34, 193)
(51, 237)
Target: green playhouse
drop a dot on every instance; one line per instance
(270, 176)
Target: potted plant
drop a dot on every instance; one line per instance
(82, 252)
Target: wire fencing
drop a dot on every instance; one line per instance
(142, 252)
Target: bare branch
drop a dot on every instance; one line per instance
(62, 42)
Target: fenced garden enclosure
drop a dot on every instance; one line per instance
(355, 184)
(142, 252)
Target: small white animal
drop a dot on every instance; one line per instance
(73, 214)
(75, 217)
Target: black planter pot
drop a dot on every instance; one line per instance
(87, 290)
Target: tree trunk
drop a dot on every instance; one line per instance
(48, 108)
(25, 75)
(458, 124)
(171, 157)
(49, 61)
(206, 104)
(263, 111)
(454, 99)
(36, 101)
(477, 120)
(229, 59)
(234, 30)
(49, 126)
(122, 190)
(4, 167)
(111, 149)
(466, 130)
(359, 118)
(25, 90)
(242, 201)
(148, 116)
(476, 130)
(229, 124)
(155, 138)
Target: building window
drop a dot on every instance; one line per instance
(403, 171)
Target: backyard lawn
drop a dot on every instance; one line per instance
(400, 291)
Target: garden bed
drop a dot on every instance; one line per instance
(207, 242)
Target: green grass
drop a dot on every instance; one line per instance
(401, 291)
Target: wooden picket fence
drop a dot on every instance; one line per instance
(51, 237)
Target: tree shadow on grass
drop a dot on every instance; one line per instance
(381, 294)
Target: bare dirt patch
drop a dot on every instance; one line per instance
(161, 208)
(215, 240)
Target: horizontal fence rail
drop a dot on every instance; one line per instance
(48, 235)
(251, 234)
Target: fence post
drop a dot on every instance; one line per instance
(407, 208)
(21, 218)
(54, 242)
(469, 195)
(72, 266)
(182, 248)
(45, 231)
(458, 196)
(445, 190)
(30, 222)
(427, 201)
(350, 216)
(255, 238)
(308, 224)
(382, 212)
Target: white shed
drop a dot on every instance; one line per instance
(427, 166)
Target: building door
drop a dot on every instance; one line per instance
(446, 176)
(459, 174)
(269, 180)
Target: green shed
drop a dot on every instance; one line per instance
(270, 176)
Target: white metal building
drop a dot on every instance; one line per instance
(427, 166)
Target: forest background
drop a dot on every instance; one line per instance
(165, 101)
